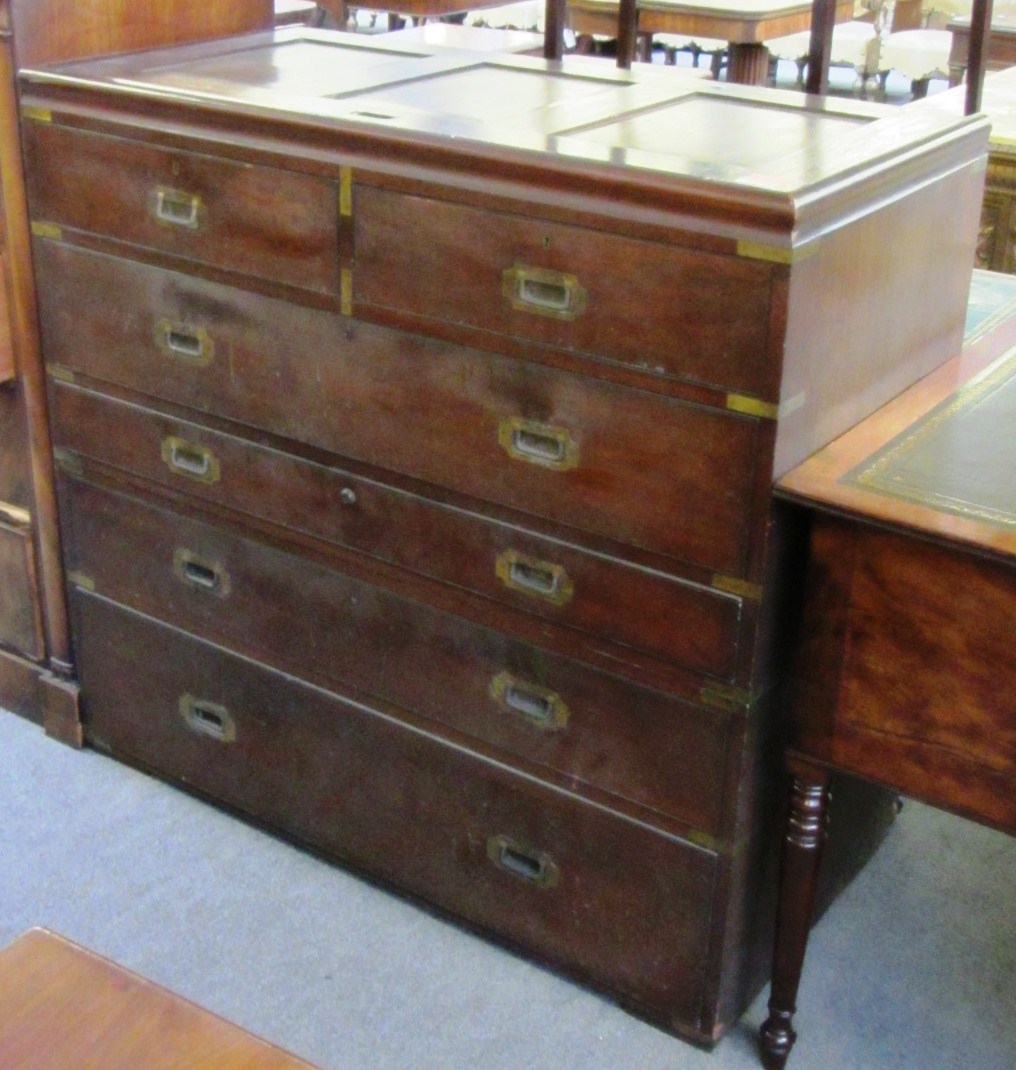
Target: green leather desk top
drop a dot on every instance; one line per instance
(961, 456)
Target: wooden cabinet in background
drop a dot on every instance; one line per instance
(417, 418)
(20, 611)
(996, 247)
(35, 653)
(47, 31)
(8, 369)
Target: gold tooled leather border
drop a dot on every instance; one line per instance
(875, 473)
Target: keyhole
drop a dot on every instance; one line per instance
(546, 241)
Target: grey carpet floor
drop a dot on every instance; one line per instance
(914, 966)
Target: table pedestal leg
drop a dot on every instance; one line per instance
(555, 16)
(802, 851)
(627, 32)
(747, 64)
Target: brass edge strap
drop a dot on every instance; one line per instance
(346, 291)
(752, 407)
(346, 191)
(776, 254)
(725, 697)
(42, 229)
(60, 373)
(739, 587)
(67, 461)
(765, 410)
(33, 113)
(80, 579)
(703, 839)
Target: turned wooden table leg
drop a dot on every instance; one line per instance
(627, 32)
(554, 19)
(802, 852)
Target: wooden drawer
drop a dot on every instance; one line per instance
(593, 730)
(20, 611)
(260, 221)
(666, 310)
(643, 469)
(536, 865)
(906, 675)
(604, 597)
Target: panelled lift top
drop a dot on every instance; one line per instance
(778, 153)
(416, 418)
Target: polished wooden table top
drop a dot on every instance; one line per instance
(413, 8)
(400, 10)
(295, 12)
(435, 35)
(63, 1006)
(739, 21)
(1001, 50)
(744, 24)
(998, 102)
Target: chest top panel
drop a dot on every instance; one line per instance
(576, 115)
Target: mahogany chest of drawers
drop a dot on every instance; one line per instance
(417, 418)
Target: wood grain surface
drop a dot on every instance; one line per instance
(52, 30)
(62, 1005)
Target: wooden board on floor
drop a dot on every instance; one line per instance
(62, 1005)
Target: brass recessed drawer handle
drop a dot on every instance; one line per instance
(187, 459)
(193, 345)
(542, 444)
(543, 707)
(177, 208)
(541, 579)
(533, 866)
(544, 292)
(200, 573)
(207, 718)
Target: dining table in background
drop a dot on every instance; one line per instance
(744, 24)
(554, 17)
(1001, 46)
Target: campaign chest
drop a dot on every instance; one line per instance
(416, 419)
